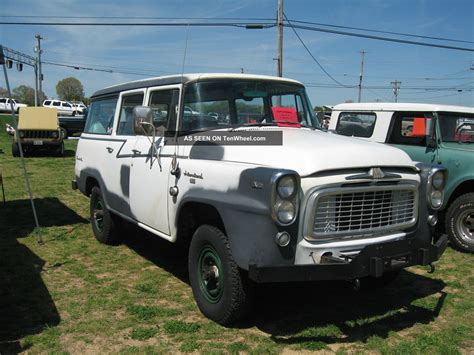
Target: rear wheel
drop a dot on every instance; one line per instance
(460, 223)
(102, 220)
(222, 291)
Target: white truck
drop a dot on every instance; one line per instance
(266, 196)
(6, 105)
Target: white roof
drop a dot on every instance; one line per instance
(400, 106)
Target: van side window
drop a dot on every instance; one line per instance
(56, 103)
(125, 125)
(402, 128)
(357, 124)
(164, 103)
(100, 118)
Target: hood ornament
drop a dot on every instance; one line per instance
(375, 173)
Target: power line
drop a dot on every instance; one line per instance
(311, 54)
(380, 38)
(147, 24)
(142, 17)
(385, 32)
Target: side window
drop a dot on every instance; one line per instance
(357, 124)
(164, 103)
(125, 125)
(56, 103)
(291, 101)
(100, 118)
(47, 103)
(402, 128)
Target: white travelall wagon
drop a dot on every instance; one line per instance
(238, 166)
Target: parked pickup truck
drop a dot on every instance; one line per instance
(71, 125)
(6, 105)
(273, 198)
(438, 134)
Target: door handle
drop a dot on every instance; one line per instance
(109, 149)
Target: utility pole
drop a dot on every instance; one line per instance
(280, 38)
(396, 88)
(40, 72)
(361, 73)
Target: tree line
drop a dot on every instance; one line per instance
(67, 89)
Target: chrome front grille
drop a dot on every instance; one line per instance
(362, 210)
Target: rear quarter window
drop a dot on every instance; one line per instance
(357, 124)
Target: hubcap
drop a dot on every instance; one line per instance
(98, 215)
(465, 226)
(210, 274)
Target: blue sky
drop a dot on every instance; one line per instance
(159, 50)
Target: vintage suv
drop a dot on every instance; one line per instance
(438, 134)
(303, 205)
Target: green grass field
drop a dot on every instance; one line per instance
(74, 295)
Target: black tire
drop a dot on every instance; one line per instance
(368, 283)
(103, 222)
(60, 150)
(460, 223)
(221, 289)
(73, 113)
(15, 150)
(63, 131)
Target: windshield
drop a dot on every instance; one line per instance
(238, 102)
(456, 127)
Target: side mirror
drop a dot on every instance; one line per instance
(143, 121)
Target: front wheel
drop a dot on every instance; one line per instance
(222, 291)
(103, 222)
(460, 223)
(15, 150)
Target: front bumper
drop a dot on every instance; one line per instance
(373, 260)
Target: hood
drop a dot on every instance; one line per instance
(307, 152)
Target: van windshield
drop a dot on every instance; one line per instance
(238, 102)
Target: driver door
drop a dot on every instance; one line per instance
(150, 167)
(402, 137)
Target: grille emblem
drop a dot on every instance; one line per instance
(376, 173)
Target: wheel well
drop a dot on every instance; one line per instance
(464, 188)
(194, 214)
(90, 183)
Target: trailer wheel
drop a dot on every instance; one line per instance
(222, 291)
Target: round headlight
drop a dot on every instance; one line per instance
(285, 212)
(286, 187)
(21, 134)
(438, 180)
(54, 134)
(436, 198)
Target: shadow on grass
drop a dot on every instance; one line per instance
(168, 256)
(317, 312)
(48, 153)
(329, 313)
(26, 306)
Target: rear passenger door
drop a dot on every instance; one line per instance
(400, 136)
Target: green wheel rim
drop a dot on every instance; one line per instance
(98, 215)
(210, 274)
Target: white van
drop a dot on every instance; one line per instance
(64, 108)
